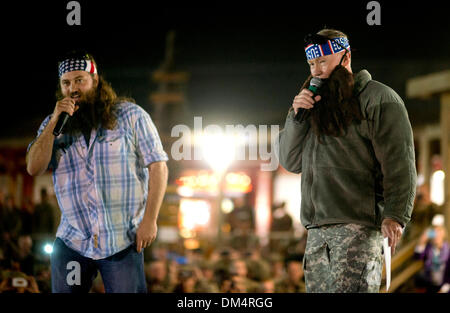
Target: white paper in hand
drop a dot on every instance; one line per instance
(387, 261)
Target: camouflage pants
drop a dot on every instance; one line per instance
(343, 258)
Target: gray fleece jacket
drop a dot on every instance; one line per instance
(363, 177)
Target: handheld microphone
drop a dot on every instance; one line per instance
(62, 120)
(314, 86)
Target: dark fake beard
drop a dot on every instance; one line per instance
(88, 116)
(338, 106)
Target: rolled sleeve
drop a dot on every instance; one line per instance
(148, 144)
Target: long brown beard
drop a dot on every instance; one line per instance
(98, 108)
(338, 107)
(86, 117)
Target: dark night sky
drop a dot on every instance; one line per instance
(246, 59)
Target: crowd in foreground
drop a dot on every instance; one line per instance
(239, 265)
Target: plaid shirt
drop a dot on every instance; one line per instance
(102, 189)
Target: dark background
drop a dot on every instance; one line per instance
(246, 59)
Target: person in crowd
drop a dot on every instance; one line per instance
(26, 216)
(423, 213)
(187, 280)
(434, 249)
(230, 282)
(267, 286)
(43, 278)
(294, 279)
(44, 220)
(158, 280)
(223, 258)
(277, 268)
(23, 254)
(238, 269)
(281, 220)
(10, 224)
(15, 281)
(242, 217)
(208, 281)
(258, 268)
(242, 223)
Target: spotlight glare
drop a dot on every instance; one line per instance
(48, 248)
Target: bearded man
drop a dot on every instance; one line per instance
(110, 176)
(354, 147)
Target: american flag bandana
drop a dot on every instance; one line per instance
(332, 46)
(70, 65)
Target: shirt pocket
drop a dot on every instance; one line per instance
(113, 142)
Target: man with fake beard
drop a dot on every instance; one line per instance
(109, 174)
(355, 150)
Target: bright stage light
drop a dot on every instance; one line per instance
(48, 248)
(218, 150)
(437, 187)
(194, 213)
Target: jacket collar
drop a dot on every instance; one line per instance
(361, 80)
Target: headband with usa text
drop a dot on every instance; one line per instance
(77, 64)
(332, 46)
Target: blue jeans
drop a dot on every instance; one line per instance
(122, 272)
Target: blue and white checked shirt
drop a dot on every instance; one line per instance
(102, 189)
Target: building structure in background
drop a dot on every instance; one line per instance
(434, 140)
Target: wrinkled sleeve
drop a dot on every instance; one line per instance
(148, 143)
(392, 140)
(291, 139)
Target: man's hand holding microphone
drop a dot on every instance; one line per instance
(306, 99)
(39, 155)
(63, 109)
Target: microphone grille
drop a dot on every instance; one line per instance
(316, 82)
